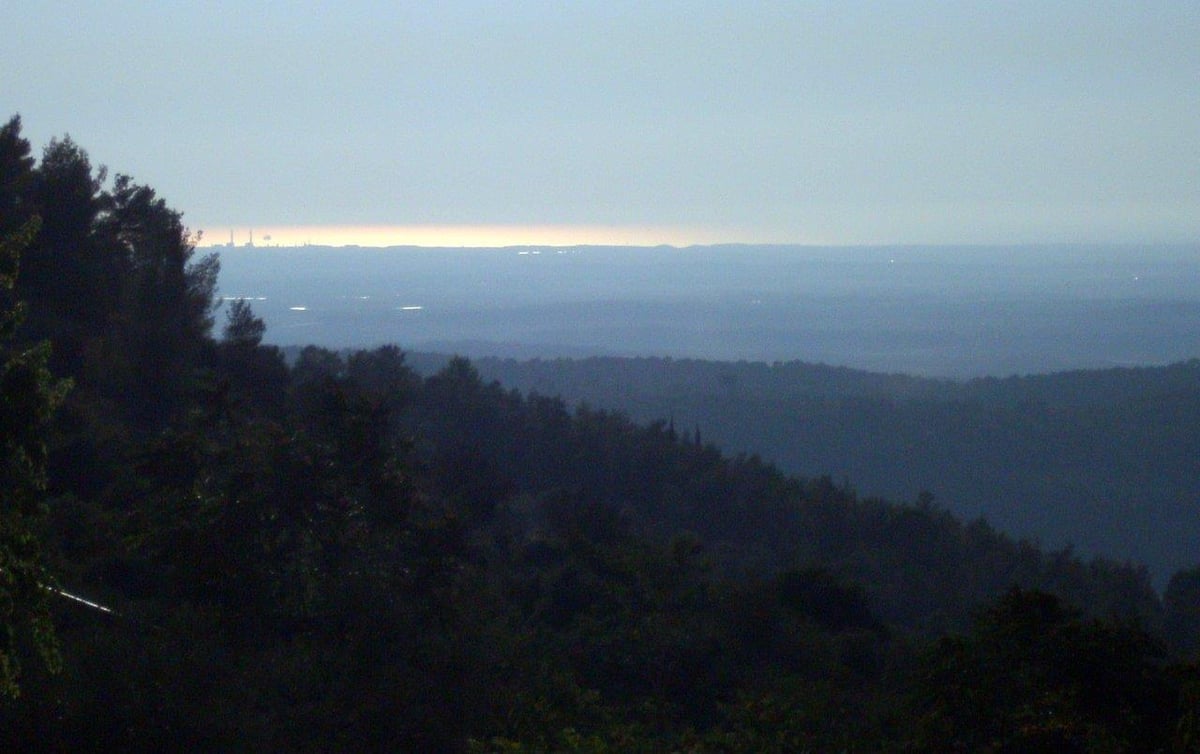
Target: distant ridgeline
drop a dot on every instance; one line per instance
(1105, 460)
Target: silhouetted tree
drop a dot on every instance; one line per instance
(168, 297)
(242, 328)
(16, 176)
(70, 277)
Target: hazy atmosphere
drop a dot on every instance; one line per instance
(627, 123)
(482, 378)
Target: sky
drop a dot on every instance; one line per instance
(494, 123)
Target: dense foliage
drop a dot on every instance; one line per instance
(1107, 460)
(336, 553)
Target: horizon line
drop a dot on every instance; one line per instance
(462, 236)
(570, 236)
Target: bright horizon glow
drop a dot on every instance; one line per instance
(547, 123)
(480, 236)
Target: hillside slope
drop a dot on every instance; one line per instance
(1106, 460)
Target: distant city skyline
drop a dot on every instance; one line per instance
(699, 122)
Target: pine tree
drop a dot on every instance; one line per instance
(28, 397)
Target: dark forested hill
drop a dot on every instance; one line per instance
(1105, 460)
(205, 546)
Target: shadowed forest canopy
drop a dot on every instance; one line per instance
(334, 552)
(1102, 459)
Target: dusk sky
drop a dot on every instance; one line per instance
(662, 122)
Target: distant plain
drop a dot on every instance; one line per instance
(933, 311)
